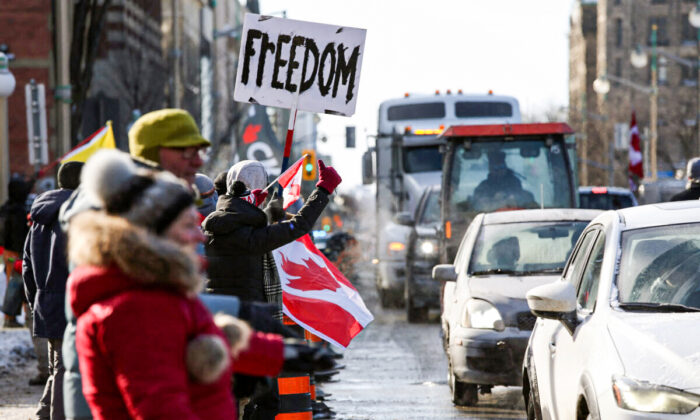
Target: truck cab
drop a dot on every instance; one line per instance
(406, 159)
(491, 168)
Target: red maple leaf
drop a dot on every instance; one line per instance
(309, 276)
(251, 133)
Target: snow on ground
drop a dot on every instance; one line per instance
(16, 350)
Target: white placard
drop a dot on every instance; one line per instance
(280, 55)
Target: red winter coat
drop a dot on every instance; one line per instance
(137, 314)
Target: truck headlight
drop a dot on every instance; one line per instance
(427, 247)
(479, 313)
(643, 396)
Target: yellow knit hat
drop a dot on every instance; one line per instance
(163, 128)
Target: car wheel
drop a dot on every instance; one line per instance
(462, 393)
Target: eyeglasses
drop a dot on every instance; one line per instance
(189, 153)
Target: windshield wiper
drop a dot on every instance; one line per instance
(494, 271)
(657, 307)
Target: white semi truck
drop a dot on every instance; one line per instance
(407, 159)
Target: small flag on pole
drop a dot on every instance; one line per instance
(636, 167)
(286, 177)
(292, 191)
(100, 139)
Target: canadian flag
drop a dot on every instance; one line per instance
(290, 180)
(317, 296)
(635, 152)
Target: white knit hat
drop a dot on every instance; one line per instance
(251, 172)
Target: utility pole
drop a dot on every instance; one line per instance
(584, 138)
(63, 87)
(653, 110)
(7, 86)
(697, 70)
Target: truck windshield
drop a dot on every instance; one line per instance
(422, 159)
(475, 109)
(524, 248)
(523, 174)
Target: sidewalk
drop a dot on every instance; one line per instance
(18, 400)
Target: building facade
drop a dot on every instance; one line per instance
(621, 26)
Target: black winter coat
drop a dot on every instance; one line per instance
(13, 215)
(45, 265)
(692, 193)
(238, 237)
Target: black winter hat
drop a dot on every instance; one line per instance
(69, 175)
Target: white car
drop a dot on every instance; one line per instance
(617, 336)
(486, 323)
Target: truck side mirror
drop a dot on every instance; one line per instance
(404, 218)
(367, 168)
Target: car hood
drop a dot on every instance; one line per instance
(661, 348)
(506, 287)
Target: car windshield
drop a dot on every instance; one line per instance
(524, 248)
(605, 201)
(489, 176)
(422, 159)
(661, 266)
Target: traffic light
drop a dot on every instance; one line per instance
(308, 172)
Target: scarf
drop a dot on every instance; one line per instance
(271, 283)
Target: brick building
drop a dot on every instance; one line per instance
(26, 31)
(603, 35)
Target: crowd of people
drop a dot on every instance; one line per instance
(136, 318)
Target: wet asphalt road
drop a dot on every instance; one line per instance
(397, 370)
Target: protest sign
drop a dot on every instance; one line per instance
(283, 58)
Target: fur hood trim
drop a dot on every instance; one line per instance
(101, 240)
(237, 332)
(207, 358)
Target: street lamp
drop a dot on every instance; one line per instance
(7, 86)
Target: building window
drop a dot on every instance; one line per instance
(661, 30)
(663, 71)
(618, 32)
(689, 76)
(658, 1)
(618, 67)
(689, 36)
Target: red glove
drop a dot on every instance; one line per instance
(328, 178)
(259, 195)
(17, 266)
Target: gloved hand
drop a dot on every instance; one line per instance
(274, 209)
(328, 178)
(259, 195)
(260, 316)
(302, 357)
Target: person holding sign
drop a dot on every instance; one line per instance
(239, 244)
